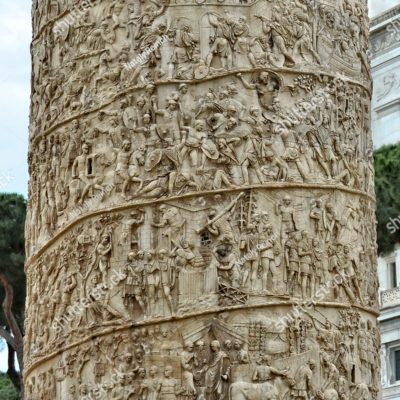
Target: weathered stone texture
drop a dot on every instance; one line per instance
(201, 204)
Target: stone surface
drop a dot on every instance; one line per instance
(201, 204)
(384, 54)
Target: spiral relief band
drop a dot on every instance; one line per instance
(201, 220)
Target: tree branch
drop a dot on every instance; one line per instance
(12, 373)
(7, 337)
(11, 320)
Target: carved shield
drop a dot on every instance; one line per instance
(210, 149)
(201, 72)
(153, 159)
(173, 155)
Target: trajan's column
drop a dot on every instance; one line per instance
(201, 205)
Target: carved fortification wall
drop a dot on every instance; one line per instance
(201, 203)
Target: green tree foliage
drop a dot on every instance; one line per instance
(7, 390)
(12, 283)
(12, 221)
(387, 183)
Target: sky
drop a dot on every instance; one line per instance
(15, 37)
(378, 6)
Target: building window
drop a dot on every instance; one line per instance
(392, 275)
(397, 365)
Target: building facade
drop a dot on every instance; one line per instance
(385, 62)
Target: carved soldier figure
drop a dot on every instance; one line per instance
(241, 356)
(187, 363)
(150, 385)
(184, 256)
(103, 251)
(317, 266)
(286, 211)
(69, 285)
(305, 258)
(275, 31)
(171, 222)
(127, 369)
(292, 261)
(134, 15)
(274, 167)
(363, 349)
(316, 216)
(152, 279)
(267, 88)
(169, 387)
(219, 225)
(83, 168)
(331, 223)
(304, 388)
(220, 54)
(267, 243)
(71, 392)
(198, 147)
(248, 246)
(350, 271)
(264, 372)
(130, 227)
(99, 309)
(128, 163)
(228, 265)
(228, 348)
(201, 356)
(173, 121)
(336, 266)
(167, 277)
(134, 281)
(183, 55)
(316, 145)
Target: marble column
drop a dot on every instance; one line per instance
(201, 202)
